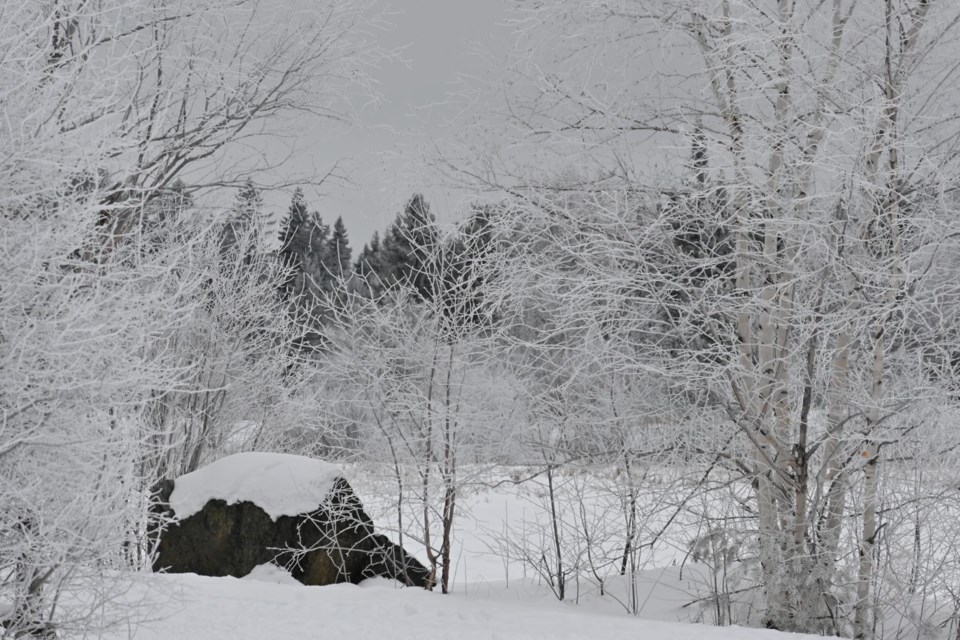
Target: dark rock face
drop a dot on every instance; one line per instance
(334, 543)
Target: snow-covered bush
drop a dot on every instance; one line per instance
(104, 105)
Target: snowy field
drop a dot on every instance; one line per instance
(673, 591)
(189, 607)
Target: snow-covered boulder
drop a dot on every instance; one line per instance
(250, 509)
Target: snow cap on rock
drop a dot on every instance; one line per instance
(280, 484)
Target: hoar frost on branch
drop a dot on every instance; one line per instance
(763, 216)
(411, 362)
(107, 270)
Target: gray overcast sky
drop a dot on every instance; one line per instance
(440, 41)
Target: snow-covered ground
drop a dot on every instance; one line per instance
(671, 595)
(189, 607)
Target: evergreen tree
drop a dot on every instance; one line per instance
(403, 254)
(245, 217)
(304, 246)
(337, 254)
(248, 205)
(293, 243)
(368, 262)
(291, 237)
(303, 242)
(367, 268)
(408, 246)
(464, 257)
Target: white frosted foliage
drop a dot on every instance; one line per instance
(280, 484)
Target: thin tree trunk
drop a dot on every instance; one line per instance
(449, 480)
(558, 547)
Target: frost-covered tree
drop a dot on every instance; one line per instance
(240, 375)
(105, 106)
(780, 289)
(424, 394)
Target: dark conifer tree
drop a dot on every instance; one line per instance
(408, 246)
(246, 213)
(368, 267)
(461, 282)
(338, 252)
(291, 236)
(403, 254)
(368, 262)
(290, 253)
(303, 243)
